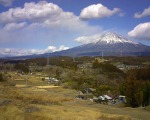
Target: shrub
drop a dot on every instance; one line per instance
(1, 78)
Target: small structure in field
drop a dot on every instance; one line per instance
(107, 97)
(102, 99)
(51, 80)
(122, 99)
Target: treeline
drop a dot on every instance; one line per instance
(106, 67)
(59, 61)
(63, 61)
(130, 60)
(137, 87)
(22, 67)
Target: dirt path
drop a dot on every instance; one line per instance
(50, 86)
(40, 87)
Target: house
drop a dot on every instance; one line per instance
(107, 97)
(122, 99)
(47, 78)
(54, 80)
(51, 80)
(101, 98)
(119, 99)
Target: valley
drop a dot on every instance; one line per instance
(51, 91)
(74, 60)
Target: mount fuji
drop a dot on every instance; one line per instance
(108, 44)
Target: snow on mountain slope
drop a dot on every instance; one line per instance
(113, 38)
(111, 44)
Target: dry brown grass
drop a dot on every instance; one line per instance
(56, 112)
(48, 107)
(11, 112)
(58, 103)
(26, 97)
(113, 117)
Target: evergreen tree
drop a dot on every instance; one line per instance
(95, 64)
(133, 90)
(146, 93)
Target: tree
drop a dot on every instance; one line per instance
(95, 64)
(1, 78)
(58, 72)
(22, 67)
(133, 90)
(146, 93)
(102, 89)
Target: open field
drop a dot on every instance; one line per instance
(40, 101)
(59, 103)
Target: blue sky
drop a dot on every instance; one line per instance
(38, 26)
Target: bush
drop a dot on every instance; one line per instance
(22, 67)
(1, 78)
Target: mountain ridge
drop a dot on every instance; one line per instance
(111, 44)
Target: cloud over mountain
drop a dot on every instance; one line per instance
(88, 39)
(97, 11)
(23, 52)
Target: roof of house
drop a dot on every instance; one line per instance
(101, 97)
(107, 97)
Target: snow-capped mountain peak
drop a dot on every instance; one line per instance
(113, 38)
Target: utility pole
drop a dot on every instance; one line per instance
(121, 53)
(102, 53)
(74, 59)
(48, 60)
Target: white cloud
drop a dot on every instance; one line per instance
(62, 47)
(54, 49)
(32, 12)
(14, 26)
(88, 39)
(22, 52)
(41, 23)
(97, 11)
(43, 14)
(7, 50)
(145, 13)
(141, 31)
(6, 2)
